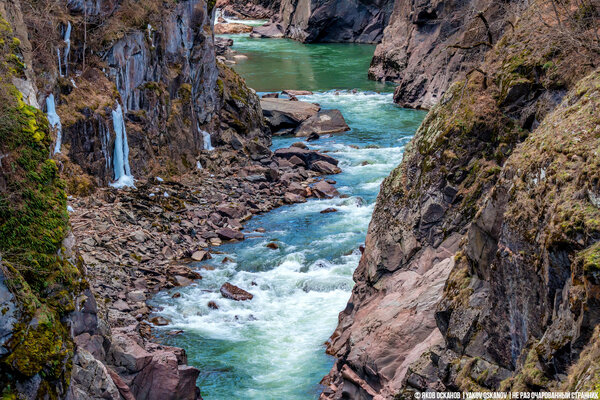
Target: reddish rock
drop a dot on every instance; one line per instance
(233, 292)
(292, 198)
(230, 234)
(324, 190)
(272, 245)
(329, 210)
(324, 167)
(213, 305)
(201, 255)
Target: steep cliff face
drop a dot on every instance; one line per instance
(244, 9)
(430, 44)
(480, 267)
(334, 21)
(155, 59)
(41, 281)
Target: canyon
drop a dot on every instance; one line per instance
(139, 171)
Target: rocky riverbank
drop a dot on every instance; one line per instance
(136, 242)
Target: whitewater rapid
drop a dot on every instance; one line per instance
(272, 347)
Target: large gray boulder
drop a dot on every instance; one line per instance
(284, 114)
(323, 123)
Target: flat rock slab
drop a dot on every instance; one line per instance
(233, 292)
(283, 113)
(308, 156)
(232, 28)
(269, 30)
(323, 123)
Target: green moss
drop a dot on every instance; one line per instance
(33, 225)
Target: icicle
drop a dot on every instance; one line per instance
(198, 165)
(54, 121)
(121, 168)
(207, 143)
(67, 48)
(59, 62)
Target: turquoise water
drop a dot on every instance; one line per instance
(279, 64)
(272, 347)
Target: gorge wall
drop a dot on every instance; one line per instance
(430, 44)
(73, 76)
(311, 21)
(480, 270)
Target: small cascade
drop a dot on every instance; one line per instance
(54, 121)
(67, 40)
(121, 168)
(207, 143)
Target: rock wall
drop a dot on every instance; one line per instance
(480, 270)
(427, 45)
(334, 21)
(244, 9)
(157, 59)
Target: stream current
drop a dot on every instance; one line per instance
(272, 347)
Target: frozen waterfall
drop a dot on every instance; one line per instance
(54, 121)
(121, 168)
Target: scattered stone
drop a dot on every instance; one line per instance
(324, 190)
(270, 96)
(272, 245)
(233, 292)
(174, 333)
(201, 255)
(292, 198)
(176, 295)
(325, 168)
(329, 210)
(160, 321)
(213, 305)
(312, 137)
(229, 234)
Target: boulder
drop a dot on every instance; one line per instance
(325, 168)
(91, 379)
(183, 270)
(324, 190)
(232, 28)
(283, 113)
(201, 255)
(329, 210)
(230, 234)
(270, 96)
(164, 379)
(160, 321)
(308, 156)
(233, 292)
(269, 30)
(292, 198)
(323, 123)
(297, 92)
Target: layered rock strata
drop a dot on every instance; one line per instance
(480, 271)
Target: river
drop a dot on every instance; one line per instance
(272, 347)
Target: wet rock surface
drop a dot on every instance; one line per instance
(331, 21)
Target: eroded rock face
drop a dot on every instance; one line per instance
(334, 21)
(416, 51)
(473, 276)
